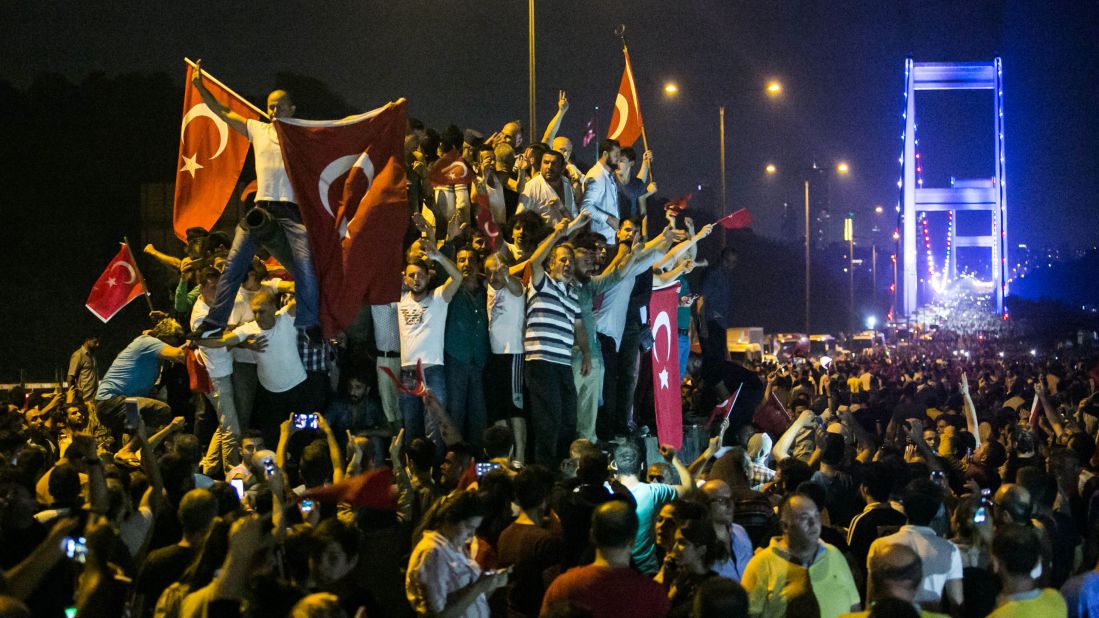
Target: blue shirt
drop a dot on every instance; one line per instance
(1082, 595)
(134, 370)
(650, 497)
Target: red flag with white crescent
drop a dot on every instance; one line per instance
(211, 156)
(663, 308)
(349, 179)
(450, 170)
(120, 283)
(626, 119)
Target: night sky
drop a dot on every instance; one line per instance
(841, 64)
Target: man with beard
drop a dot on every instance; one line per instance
(554, 325)
(549, 194)
(358, 413)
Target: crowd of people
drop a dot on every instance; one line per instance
(479, 447)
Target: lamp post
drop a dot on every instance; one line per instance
(531, 66)
(841, 168)
(773, 89)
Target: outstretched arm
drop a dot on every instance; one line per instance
(234, 120)
(682, 247)
(555, 122)
(543, 251)
(971, 423)
(450, 288)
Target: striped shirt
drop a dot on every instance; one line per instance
(552, 310)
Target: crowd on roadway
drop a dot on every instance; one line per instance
(480, 448)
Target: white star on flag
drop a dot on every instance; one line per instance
(111, 282)
(190, 165)
(663, 378)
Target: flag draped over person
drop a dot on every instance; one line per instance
(626, 125)
(211, 156)
(665, 356)
(120, 283)
(349, 178)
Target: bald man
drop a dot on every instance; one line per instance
(895, 573)
(719, 498)
(274, 222)
(799, 563)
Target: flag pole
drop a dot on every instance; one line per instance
(206, 75)
(140, 277)
(620, 32)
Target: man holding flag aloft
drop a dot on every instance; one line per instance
(274, 222)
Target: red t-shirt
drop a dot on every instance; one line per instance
(608, 592)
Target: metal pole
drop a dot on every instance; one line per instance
(531, 69)
(721, 113)
(807, 262)
(851, 277)
(874, 273)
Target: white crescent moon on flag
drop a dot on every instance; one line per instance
(129, 269)
(202, 110)
(338, 168)
(459, 163)
(623, 108)
(662, 321)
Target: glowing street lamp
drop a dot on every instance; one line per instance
(878, 209)
(843, 168)
(671, 89)
(771, 169)
(774, 88)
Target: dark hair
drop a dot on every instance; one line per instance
(815, 492)
(459, 507)
(316, 466)
(529, 220)
(252, 434)
(197, 510)
(64, 485)
(560, 157)
(1017, 548)
(614, 524)
(700, 532)
(415, 124)
(451, 138)
(877, 479)
(629, 153)
(532, 486)
(209, 273)
(833, 449)
(793, 472)
(591, 468)
(186, 446)
(608, 145)
(628, 459)
(334, 531)
(922, 499)
(719, 597)
(209, 557)
(422, 265)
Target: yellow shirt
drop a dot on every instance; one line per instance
(1048, 604)
(772, 579)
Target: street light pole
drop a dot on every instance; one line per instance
(851, 273)
(807, 262)
(721, 113)
(532, 131)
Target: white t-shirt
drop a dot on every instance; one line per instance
(278, 367)
(242, 355)
(422, 324)
(218, 361)
(506, 318)
(543, 199)
(272, 183)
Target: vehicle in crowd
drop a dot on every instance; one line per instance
(745, 343)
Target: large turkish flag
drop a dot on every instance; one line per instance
(665, 355)
(211, 156)
(349, 178)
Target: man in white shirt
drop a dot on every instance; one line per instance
(274, 222)
(942, 561)
(421, 321)
(601, 191)
(549, 194)
(279, 368)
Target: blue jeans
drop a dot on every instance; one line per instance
(416, 424)
(465, 403)
(684, 354)
(286, 239)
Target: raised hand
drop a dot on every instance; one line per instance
(963, 385)
(562, 101)
(196, 77)
(668, 452)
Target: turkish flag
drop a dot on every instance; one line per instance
(626, 120)
(736, 220)
(349, 178)
(211, 156)
(450, 170)
(120, 283)
(485, 222)
(668, 404)
(772, 417)
(369, 490)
